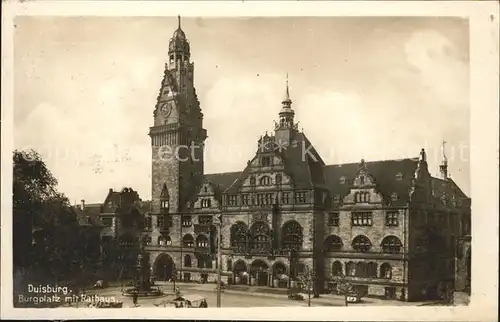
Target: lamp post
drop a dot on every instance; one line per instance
(174, 272)
(219, 228)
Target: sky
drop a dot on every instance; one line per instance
(362, 88)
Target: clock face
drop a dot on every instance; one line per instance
(166, 109)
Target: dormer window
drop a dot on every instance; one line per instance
(186, 221)
(205, 189)
(399, 176)
(362, 197)
(232, 200)
(394, 196)
(362, 180)
(342, 180)
(336, 199)
(252, 180)
(265, 161)
(206, 203)
(278, 178)
(265, 181)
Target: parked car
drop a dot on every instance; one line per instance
(295, 294)
(353, 297)
(100, 284)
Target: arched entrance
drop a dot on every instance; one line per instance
(280, 276)
(259, 272)
(240, 273)
(164, 267)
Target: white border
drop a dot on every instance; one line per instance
(484, 151)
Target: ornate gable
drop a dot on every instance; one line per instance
(207, 196)
(363, 190)
(363, 178)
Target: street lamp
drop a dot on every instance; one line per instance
(219, 228)
(174, 277)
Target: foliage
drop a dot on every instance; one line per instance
(46, 232)
(306, 280)
(344, 287)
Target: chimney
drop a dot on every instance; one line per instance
(83, 204)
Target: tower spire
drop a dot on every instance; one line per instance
(287, 102)
(179, 21)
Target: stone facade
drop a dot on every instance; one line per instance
(387, 226)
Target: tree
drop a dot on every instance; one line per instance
(344, 287)
(306, 280)
(46, 233)
(33, 185)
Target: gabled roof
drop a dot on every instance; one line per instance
(223, 180)
(384, 173)
(89, 215)
(448, 188)
(306, 169)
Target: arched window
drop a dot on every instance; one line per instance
(187, 261)
(187, 241)
(386, 271)
(265, 181)
(292, 235)
(361, 269)
(337, 268)
(201, 241)
(372, 270)
(260, 233)
(239, 233)
(391, 244)
(333, 243)
(350, 269)
(278, 178)
(361, 243)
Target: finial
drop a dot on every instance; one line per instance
(445, 159)
(179, 20)
(287, 97)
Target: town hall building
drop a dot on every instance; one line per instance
(388, 226)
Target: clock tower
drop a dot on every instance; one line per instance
(177, 136)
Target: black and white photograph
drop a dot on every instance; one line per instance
(181, 160)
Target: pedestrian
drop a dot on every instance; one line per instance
(134, 298)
